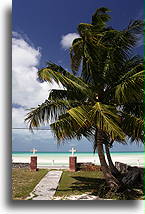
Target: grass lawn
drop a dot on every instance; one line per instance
(71, 183)
(24, 181)
(77, 183)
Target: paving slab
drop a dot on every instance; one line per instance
(46, 188)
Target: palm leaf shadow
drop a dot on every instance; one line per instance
(85, 184)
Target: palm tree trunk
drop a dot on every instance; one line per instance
(110, 179)
(113, 169)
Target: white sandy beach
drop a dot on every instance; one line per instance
(50, 160)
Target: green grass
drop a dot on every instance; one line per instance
(71, 183)
(24, 181)
(75, 183)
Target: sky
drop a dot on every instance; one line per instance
(43, 31)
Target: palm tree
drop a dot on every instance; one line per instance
(131, 103)
(101, 49)
(104, 55)
(96, 104)
(113, 169)
(75, 112)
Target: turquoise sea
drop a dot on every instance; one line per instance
(62, 158)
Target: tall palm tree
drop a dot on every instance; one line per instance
(104, 55)
(128, 96)
(96, 104)
(75, 111)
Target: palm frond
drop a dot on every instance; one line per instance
(116, 74)
(133, 126)
(84, 29)
(66, 128)
(135, 109)
(132, 71)
(135, 27)
(102, 116)
(106, 118)
(68, 80)
(131, 89)
(57, 94)
(76, 54)
(81, 115)
(133, 62)
(63, 128)
(100, 17)
(48, 111)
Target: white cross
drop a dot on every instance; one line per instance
(72, 151)
(34, 150)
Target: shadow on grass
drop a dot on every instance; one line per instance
(98, 187)
(86, 184)
(82, 184)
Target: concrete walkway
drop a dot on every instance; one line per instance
(46, 188)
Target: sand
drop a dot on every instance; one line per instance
(133, 160)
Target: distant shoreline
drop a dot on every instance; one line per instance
(77, 152)
(62, 158)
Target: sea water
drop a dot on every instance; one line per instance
(62, 158)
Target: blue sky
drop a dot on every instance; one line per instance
(45, 22)
(43, 31)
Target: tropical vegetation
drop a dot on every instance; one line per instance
(102, 98)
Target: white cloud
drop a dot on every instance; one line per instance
(66, 40)
(26, 90)
(18, 115)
